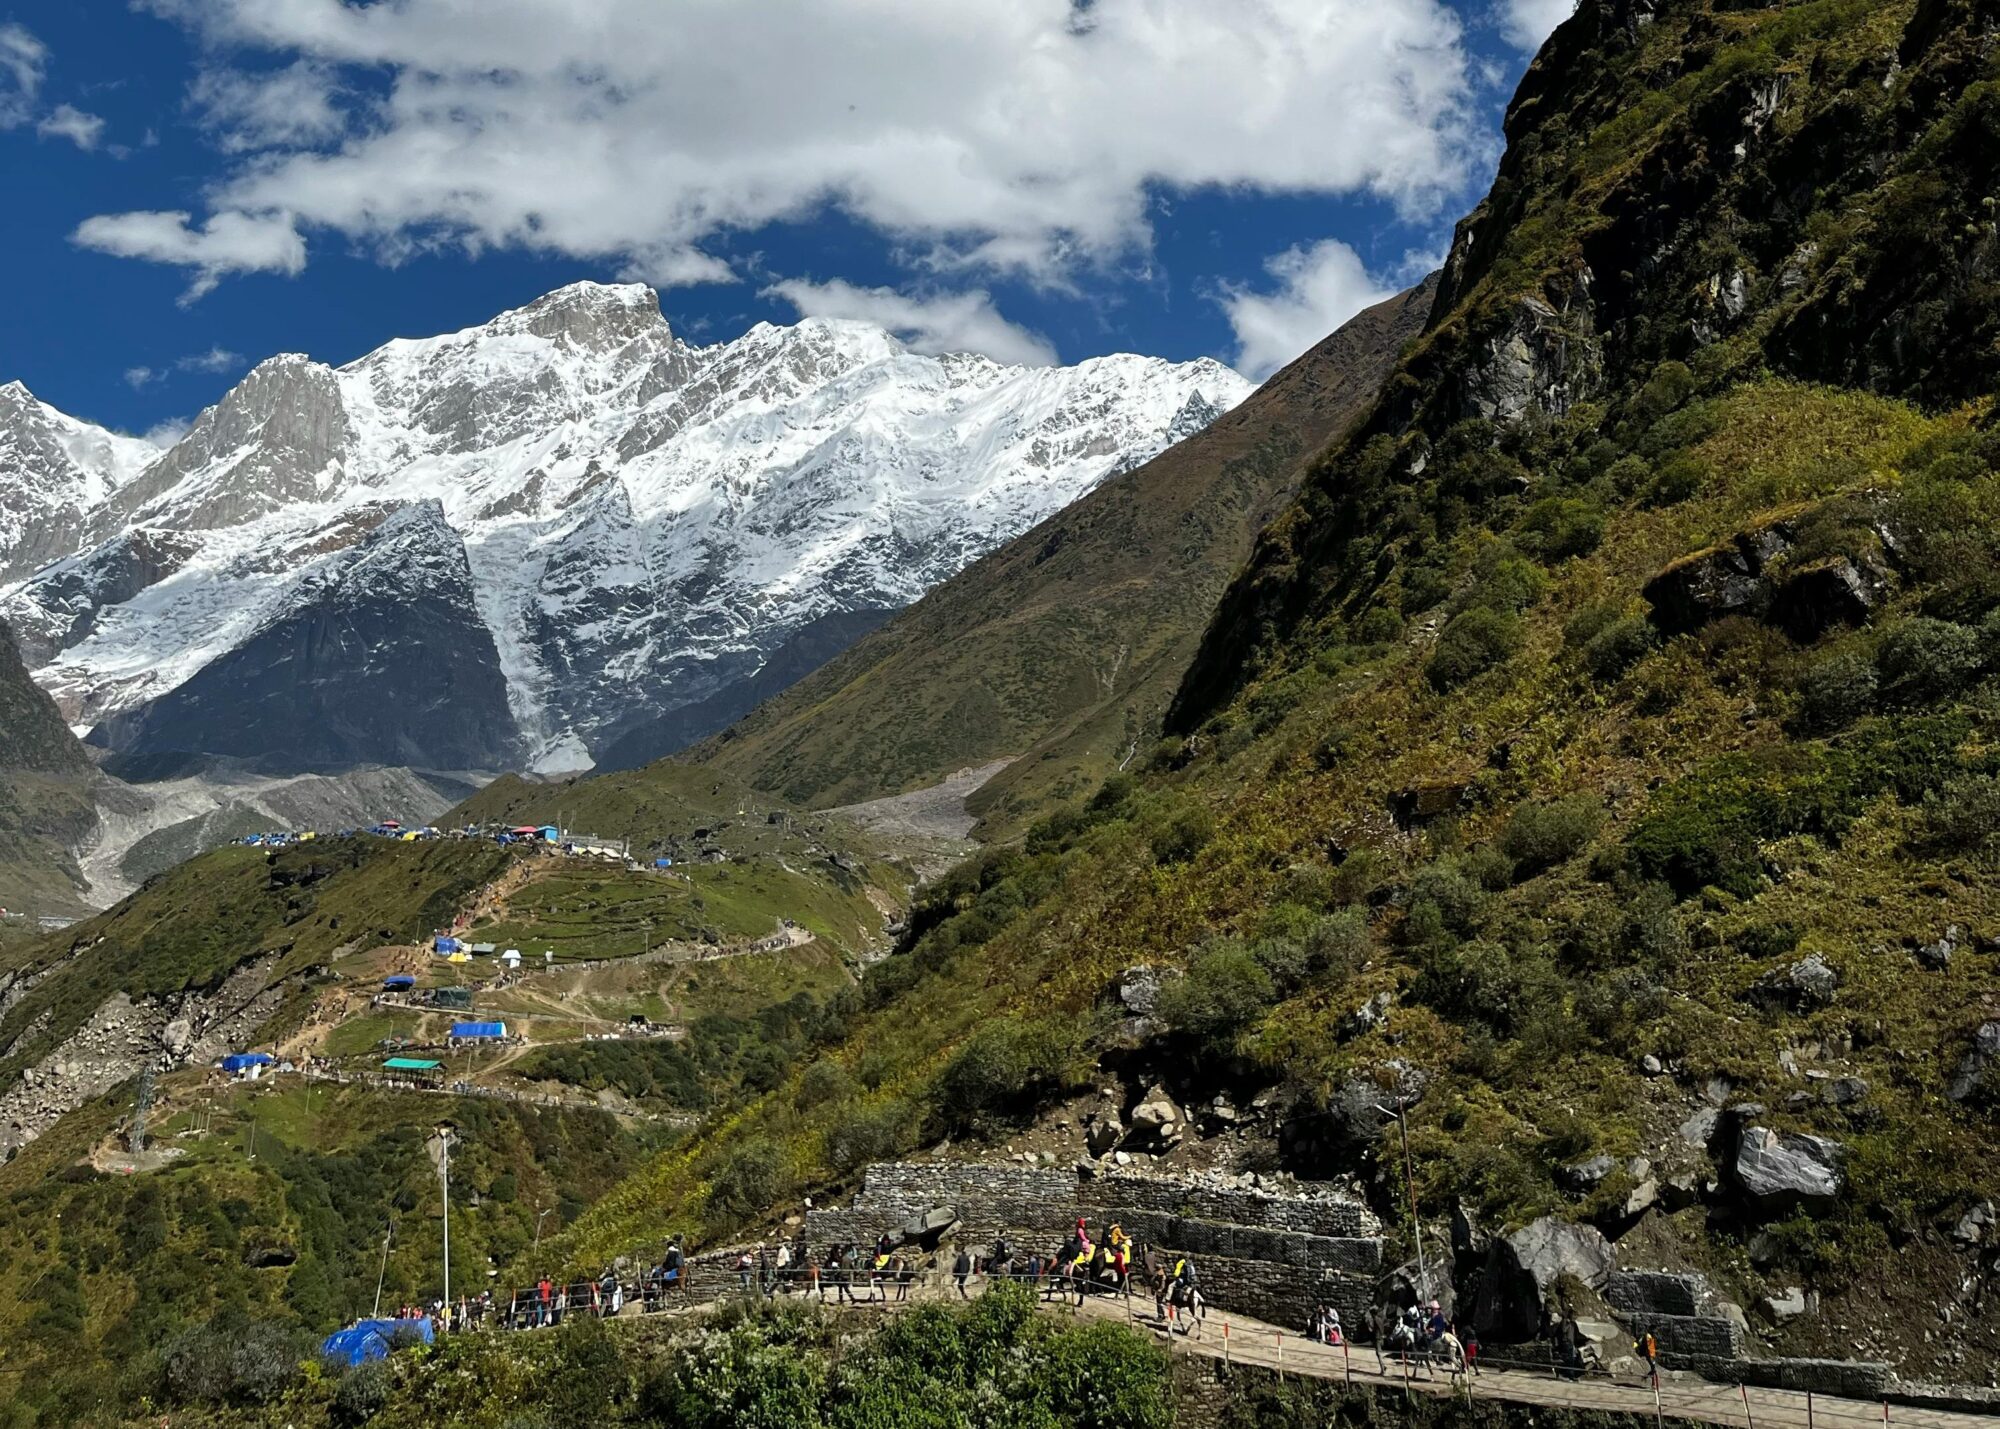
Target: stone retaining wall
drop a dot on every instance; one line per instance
(1270, 1256)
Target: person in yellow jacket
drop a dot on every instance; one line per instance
(1119, 1244)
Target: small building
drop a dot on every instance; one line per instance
(247, 1066)
(398, 982)
(420, 1071)
(478, 1031)
(483, 950)
(459, 998)
(445, 945)
(511, 958)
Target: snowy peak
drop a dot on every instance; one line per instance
(604, 522)
(54, 470)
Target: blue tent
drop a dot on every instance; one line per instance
(237, 1061)
(445, 945)
(478, 1029)
(372, 1339)
(663, 863)
(398, 982)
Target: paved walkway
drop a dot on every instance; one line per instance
(1237, 1339)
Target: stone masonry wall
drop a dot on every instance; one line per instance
(1270, 1256)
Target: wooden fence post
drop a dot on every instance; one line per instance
(1750, 1423)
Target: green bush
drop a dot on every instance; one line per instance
(1471, 644)
(1836, 692)
(1618, 646)
(751, 1178)
(1007, 1070)
(1558, 528)
(1184, 835)
(1924, 661)
(1225, 989)
(1379, 626)
(875, 1132)
(824, 1081)
(362, 1393)
(1540, 836)
(1963, 817)
(1338, 944)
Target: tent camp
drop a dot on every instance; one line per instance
(373, 1339)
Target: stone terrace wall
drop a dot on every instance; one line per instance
(1260, 1254)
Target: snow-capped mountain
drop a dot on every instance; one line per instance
(511, 544)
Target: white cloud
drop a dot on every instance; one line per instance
(1319, 288)
(22, 60)
(1526, 23)
(287, 108)
(66, 121)
(165, 433)
(216, 359)
(944, 322)
(229, 242)
(1025, 136)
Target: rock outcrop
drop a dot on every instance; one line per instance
(1777, 1169)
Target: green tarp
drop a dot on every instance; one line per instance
(409, 1064)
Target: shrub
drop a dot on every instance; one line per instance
(824, 1081)
(1471, 644)
(751, 1178)
(1836, 692)
(1379, 626)
(1540, 836)
(1183, 835)
(1338, 945)
(363, 1392)
(233, 1360)
(1443, 888)
(1923, 661)
(1558, 528)
(1423, 587)
(1225, 989)
(1963, 816)
(1618, 646)
(876, 1132)
(1007, 1069)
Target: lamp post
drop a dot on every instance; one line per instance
(1401, 1112)
(548, 1210)
(446, 1131)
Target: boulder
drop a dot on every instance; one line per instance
(1837, 591)
(1155, 1115)
(177, 1036)
(1973, 1226)
(1103, 1134)
(1583, 1177)
(1844, 1091)
(1783, 1305)
(1699, 1129)
(1367, 1017)
(1725, 580)
(1937, 955)
(1972, 1071)
(1810, 982)
(1522, 1269)
(1139, 990)
(1651, 1066)
(1784, 1168)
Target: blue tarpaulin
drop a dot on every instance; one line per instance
(663, 863)
(398, 982)
(446, 945)
(372, 1339)
(237, 1061)
(479, 1029)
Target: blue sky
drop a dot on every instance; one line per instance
(194, 185)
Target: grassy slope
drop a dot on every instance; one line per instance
(119, 1264)
(1531, 972)
(1065, 645)
(191, 927)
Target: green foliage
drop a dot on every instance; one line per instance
(1472, 643)
(1558, 528)
(1006, 1070)
(751, 1177)
(1835, 692)
(232, 1360)
(874, 1131)
(1184, 834)
(1923, 661)
(645, 1071)
(1540, 836)
(1225, 989)
(1963, 817)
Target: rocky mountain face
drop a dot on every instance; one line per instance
(516, 543)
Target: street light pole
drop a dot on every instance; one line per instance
(1401, 1113)
(444, 1136)
(539, 1215)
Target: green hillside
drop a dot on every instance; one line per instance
(1617, 704)
(1064, 646)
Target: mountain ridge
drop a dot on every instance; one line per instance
(647, 523)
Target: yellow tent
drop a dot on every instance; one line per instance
(459, 958)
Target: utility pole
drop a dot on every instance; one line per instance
(538, 1226)
(445, 1133)
(388, 1233)
(1401, 1113)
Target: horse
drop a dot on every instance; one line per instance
(1174, 1301)
(896, 1270)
